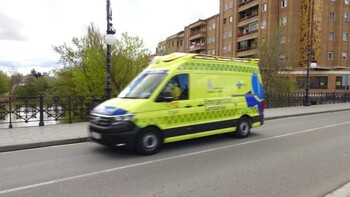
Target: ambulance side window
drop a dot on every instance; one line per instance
(183, 83)
(178, 87)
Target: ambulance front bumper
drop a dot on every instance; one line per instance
(116, 136)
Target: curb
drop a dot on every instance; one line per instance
(306, 114)
(43, 144)
(343, 191)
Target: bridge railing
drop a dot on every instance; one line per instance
(46, 110)
(298, 99)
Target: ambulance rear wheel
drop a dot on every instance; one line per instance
(148, 142)
(243, 128)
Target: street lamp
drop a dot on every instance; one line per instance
(310, 63)
(110, 40)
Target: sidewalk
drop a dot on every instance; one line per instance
(19, 138)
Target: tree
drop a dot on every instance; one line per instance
(84, 71)
(4, 83)
(32, 87)
(35, 74)
(276, 60)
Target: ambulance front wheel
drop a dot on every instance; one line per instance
(243, 128)
(148, 142)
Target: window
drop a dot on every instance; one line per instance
(264, 7)
(230, 19)
(318, 82)
(225, 20)
(339, 84)
(213, 26)
(225, 35)
(332, 16)
(209, 52)
(230, 4)
(330, 55)
(209, 40)
(229, 34)
(209, 27)
(344, 56)
(177, 87)
(263, 24)
(213, 52)
(229, 48)
(345, 36)
(225, 6)
(331, 36)
(253, 26)
(283, 3)
(346, 16)
(283, 21)
(213, 39)
(224, 48)
(243, 45)
(283, 39)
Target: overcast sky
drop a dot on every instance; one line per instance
(29, 28)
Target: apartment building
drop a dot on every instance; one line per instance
(298, 31)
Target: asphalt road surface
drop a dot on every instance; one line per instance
(300, 156)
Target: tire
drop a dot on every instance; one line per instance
(243, 128)
(148, 142)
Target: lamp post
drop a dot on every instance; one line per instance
(309, 50)
(110, 40)
(310, 64)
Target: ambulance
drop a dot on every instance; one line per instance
(180, 97)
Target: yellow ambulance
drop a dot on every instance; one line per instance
(179, 97)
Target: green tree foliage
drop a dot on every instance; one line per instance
(84, 71)
(35, 74)
(4, 83)
(31, 87)
(275, 61)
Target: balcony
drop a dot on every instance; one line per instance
(247, 4)
(198, 47)
(247, 52)
(198, 24)
(198, 35)
(247, 35)
(248, 21)
(248, 17)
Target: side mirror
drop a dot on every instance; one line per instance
(165, 97)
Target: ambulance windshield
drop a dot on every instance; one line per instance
(143, 85)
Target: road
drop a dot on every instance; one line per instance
(300, 156)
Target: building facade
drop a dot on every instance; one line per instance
(297, 32)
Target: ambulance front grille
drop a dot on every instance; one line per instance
(100, 120)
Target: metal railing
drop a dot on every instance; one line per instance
(298, 99)
(46, 110)
(41, 110)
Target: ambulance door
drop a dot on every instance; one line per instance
(178, 115)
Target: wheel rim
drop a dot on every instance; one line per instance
(150, 141)
(244, 128)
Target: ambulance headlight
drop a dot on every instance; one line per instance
(120, 119)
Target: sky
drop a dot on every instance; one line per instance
(30, 28)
